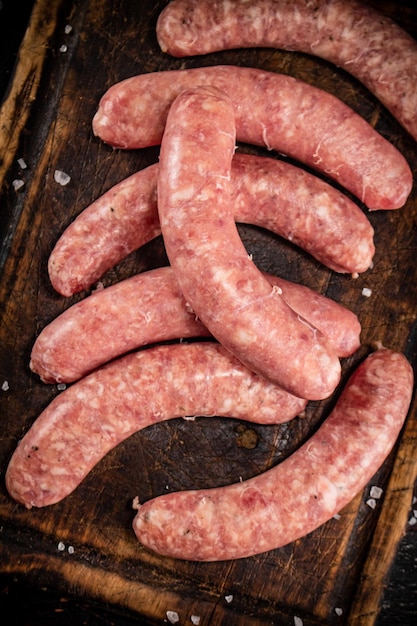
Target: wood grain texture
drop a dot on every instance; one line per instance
(343, 564)
(33, 51)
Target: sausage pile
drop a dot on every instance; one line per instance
(269, 345)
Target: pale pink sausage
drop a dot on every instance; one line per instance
(350, 34)
(268, 193)
(299, 494)
(149, 308)
(94, 415)
(272, 110)
(223, 286)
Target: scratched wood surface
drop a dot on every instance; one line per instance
(336, 574)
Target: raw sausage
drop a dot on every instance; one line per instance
(299, 494)
(95, 414)
(272, 110)
(266, 192)
(224, 288)
(350, 34)
(149, 308)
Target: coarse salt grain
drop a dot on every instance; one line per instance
(195, 619)
(366, 292)
(172, 617)
(412, 521)
(63, 48)
(371, 503)
(376, 492)
(71, 550)
(61, 177)
(18, 183)
(5, 386)
(22, 164)
(229, 598)
(338, 611)
(61, 386)
(68, 29)
(61, 546)
(298, 621)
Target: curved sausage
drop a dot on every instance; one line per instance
(265, 192)
(272, 110)
(149, 308)
(302, 492)
(350, 34)
(224, 288)
(94, 415)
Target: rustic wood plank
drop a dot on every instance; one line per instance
(390, 529)
(16, 108)
(110, 41)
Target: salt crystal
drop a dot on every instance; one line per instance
(172, 617)
(337, 516)
(68, 29)
(371, 503)
(5, 386)
(61, 177)
(22, 164)
(229, 598)
(63, 48)
(70, 549)
(61, 386)
(366, 292)
(376, 492)
(195, 619)
(298, 621)
(412, 521)
(338, 611)
(18, 183)
(61, 546)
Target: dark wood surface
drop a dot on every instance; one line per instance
(363, 563)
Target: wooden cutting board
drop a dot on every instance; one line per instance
(85, 544)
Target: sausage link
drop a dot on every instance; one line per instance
(272, 110)
(265, 192)
(225, 289)
(149, 308)
(350, 34)
(94, 415)
(302, 492)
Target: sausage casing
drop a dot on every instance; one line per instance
(302, 492)
(272, 110)
(266, 192)
(150, 308)
(95, 414)
(351, 34)
(223, 286)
